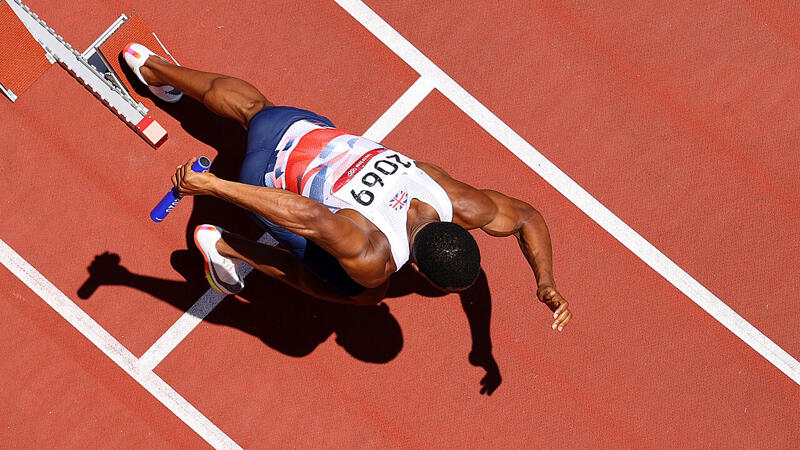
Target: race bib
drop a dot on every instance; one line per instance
(372, 177)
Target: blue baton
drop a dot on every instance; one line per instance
(167, 204)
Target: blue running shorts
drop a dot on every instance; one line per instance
(265, 131)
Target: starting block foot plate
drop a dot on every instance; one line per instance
(22, 59)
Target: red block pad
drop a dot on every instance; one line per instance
(133, 30)
(22, 59)
(152, 131)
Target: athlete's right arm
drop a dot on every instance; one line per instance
(336, 233)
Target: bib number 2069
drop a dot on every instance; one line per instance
(379, 171)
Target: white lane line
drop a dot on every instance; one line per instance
(572, 191)
(113, 349)
(191, 318)
(211, 298)
(180, 329)
(167, 51)
(399, 110)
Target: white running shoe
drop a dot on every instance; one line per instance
(220, 271)
(135, 56)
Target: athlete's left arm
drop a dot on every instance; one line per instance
(500, 215)
(517, 218)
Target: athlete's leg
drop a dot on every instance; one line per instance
(223, 95)
(284, 266)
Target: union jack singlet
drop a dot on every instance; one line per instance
(341, 171)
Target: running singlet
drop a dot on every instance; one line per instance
(342, 171)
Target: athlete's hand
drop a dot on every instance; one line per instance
(190, 182)
(549, 296)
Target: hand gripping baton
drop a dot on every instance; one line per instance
(168, 203)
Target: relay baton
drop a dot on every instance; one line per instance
(168, 203)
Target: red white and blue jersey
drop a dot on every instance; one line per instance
(341, 170)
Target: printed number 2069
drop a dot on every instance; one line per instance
(370, 179)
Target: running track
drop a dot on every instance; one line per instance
(681, 120)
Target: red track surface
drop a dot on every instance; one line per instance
(683, 120)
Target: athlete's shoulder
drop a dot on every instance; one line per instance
(372, 263)
(472, 208)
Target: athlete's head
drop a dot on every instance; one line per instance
(447, 255)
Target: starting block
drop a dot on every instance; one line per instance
(23, 38)
(132, 30)
(23, 60)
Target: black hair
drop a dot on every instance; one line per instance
(447, 254)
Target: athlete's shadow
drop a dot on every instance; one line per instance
(294, 323)
(477, 305)
(283, 318)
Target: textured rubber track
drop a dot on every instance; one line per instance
(681, 118)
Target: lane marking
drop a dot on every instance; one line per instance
(165, 50)
(191, 318)
(180, 329)
(211, 298)
(572, 191)
(121, 356)
(400, 109)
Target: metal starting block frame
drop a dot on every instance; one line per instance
(93, 56)
(9, 93)
(96, 75)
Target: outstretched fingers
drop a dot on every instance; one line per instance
(562, 316)
(561, 313)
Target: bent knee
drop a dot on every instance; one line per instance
(251, 107)
(234, 98)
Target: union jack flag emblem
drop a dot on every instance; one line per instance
(399, 201)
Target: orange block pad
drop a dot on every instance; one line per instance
(22, 59)
(133, 30)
